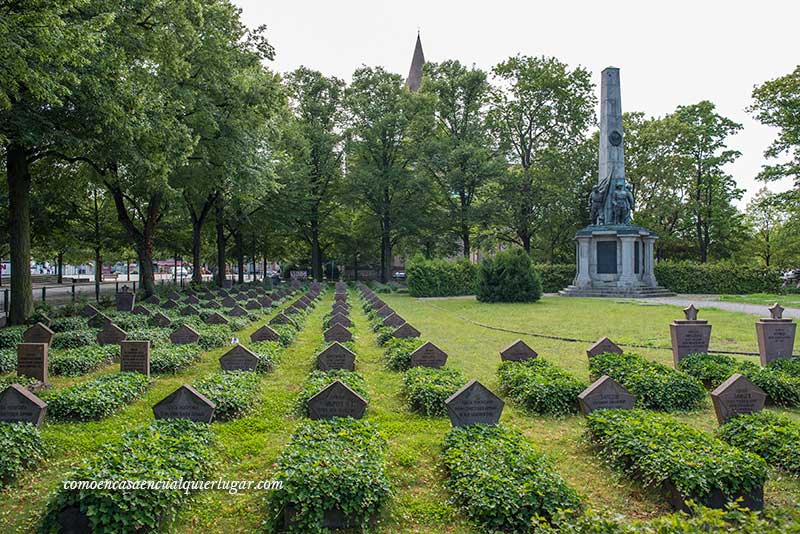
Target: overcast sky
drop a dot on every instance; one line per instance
(670, 53)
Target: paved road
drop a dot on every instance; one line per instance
(709, 301)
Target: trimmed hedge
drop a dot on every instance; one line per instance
(501, 481)
(555, 276)
(440, 277)
(427, 388)
(657, 449)
(509, 276)
(656, 386)
(167, 449)
(718, 277)
(232, 392)
(330, 463)
(398, 352)
(541, 387)
(21, 446)
(173, 358)
(82, 360)
(319, 380)
(774, 437)
(95, 399)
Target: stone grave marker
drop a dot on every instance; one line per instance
(428, 355)
(213, 304)
(227, 284)
(405, 331)
(265, 301)
(340, 318)
(336, 400)
(154, 300)
(239, 358)
(185, 403)
(602, 346)
(474, 403)
(775, 335)
(141, 310)
(384, 312)
(518, 351)
(237, 311)
(38, 333)
(32, 360)
(174, 295)
(169, 304)
(111, 334)
(98, 321)
(89, 311)
(159, 319)
(265, 333)
(252, 305)
(192, 299)
(393, 320)
(189, 310)
(737, 395)
(338, 333)
(689, 336)
(184, 335)
(134, 356)
(18, 405)
(605, 393)
(229, 302)
(281, 318)
(125, 300)
(336, 356)
(216, 318)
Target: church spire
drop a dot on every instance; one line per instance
(414, 79)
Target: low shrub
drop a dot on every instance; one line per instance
(440, 277)
(82, 360)
(167, 449)
(269, 352)
(509, 276)
(96, 398)
(731, 278)
(541, 387)
(555, 276)
(656, 386)
(173, 358)
(774, 437)
(501, 481)
(319, 380)
(213, 336)
(8, 360)
(14, 378)
(129, 321)
(426, 388)
(383, 335)
(657, 449)
(156, 336)
(398, 352)
(232, 392)
(286, 333)
(22, 448)
(332, 463)
(74, 339)
(68, 324)
(713, 369)
(10, 336)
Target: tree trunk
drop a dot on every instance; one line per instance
(60, 267)
(386, 257)
(237, 236)
(197, 273)
(220, 222)
(465, 240)
(526, 241)
(316, 255)
(98, 265)
(147, 280)
(19, 206)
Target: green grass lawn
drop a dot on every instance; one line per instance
(248, 447)
(787, 301)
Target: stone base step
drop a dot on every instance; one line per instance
(617, 292)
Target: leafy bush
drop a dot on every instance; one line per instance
(655, 385)
(10, 336)
(509, 276)
(156, 336)
(555, 276)
(269, 352)
(500, 480)
(173, 358)
(541, 387)
(332, 463)
(427, 388)
(286, 333)
(398, 352)
(657, 448)
(8, 360)
(213, 336)
(319, 380)
(79, 361)
(68, 324)
(167, 449)
(14, 378)
(232, 392)
(95, 399)
(22, 447)
(74, 339)
(774, 437)
(440, 277)
(713, 369)
(383, 335)
(129, 321)
(719, 277)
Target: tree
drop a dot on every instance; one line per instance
(539, 106)
(764, 217)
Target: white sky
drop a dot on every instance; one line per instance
(670, 53)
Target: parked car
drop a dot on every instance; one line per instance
(399, 275)
(180, 271)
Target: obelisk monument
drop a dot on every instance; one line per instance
(612, 153)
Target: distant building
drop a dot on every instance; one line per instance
(414, 79)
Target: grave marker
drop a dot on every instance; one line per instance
(169, 304)
(689, 335)
(406, 331)
(18, 405)
(428, 355)
(393, 320)
(184, 335)
(159, 319)
(98, 321)
(340, 318)
(474, 403)
(518, 351)
(338, 333)
(737, 395)
(141, 310)
(125, 300)
(601, 346)
(336, 356)
(239, 358)
(135, 356)
(775, 336)
(265, 333)
(89, 311)
(336, 400)
(32, 360)
(189, 310)
(111, 334)
(38, 333)
(605, 393)
(185, 403)
(216, 318)
(237, 311)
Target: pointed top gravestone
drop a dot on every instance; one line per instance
(229, 302)
(518, 351)
(239, 358)
(89, 311)
(406, 331)
(281, 318)
(474, 403)
(737, 395)
(336, 356)
(602, 346)
(265, 333)
(192, 299)
(189, 310)
(153, 299)
(98, 321)
(338, 333)
(169, 304)
(265, 301)
(159, 319)
(18, 405)
(393, 320)
(173, 295)
(237, 311)
(252, 305)
(111, 334)
(38, 333)
(184, 335)
(428, 355)
(605, 393)
(185, 403)
(216, 318)
(384, 312)
(141, 310)
(340, 318)
(336, 400)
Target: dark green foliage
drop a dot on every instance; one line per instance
(8, 360)
(213, 336)
(656, 386)
(10, 336)
(332, 462)
(774, 437)
(656, 448)
(440, 277)
(14, 378)
(21, 446)
(68, 324)
(232, 392)
(73, 339)
(95, 399)
(286, 332)
(383, 335)
(82, 360)
(269, 352)
(172, 358)
(129, 321)
(500, 480)
(555, 276)
(168, 449)
(319, 380)
(541, 387)
(714, 369)
(156, 336)
(427, 388)
(509, 276)
(729, 278)
(398, 352)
